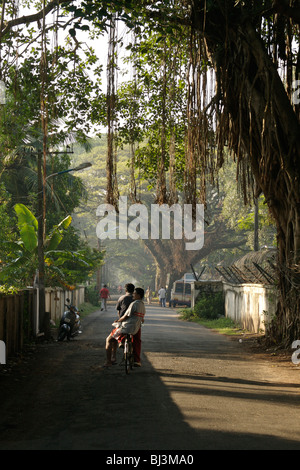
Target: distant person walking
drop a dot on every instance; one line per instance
(148, 295)
(162, 296)
(104, 295)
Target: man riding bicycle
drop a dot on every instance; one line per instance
(130, 323)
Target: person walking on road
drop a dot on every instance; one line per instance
(104, 295)
(162, 296)
(148, 295)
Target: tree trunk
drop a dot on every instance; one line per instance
(286, 326)
(172, 258)
(161, 277)
(261, 125)
(275, 165)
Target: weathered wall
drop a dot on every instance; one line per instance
(55, 299)
(19, 319)
(250, 305)
(16, 319)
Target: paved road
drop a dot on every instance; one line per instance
(196, 390)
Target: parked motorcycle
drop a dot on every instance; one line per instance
(70, 325)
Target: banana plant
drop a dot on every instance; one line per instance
(24, 252)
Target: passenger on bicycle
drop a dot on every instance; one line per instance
(125, 300)
(130, 323)
(122, 305)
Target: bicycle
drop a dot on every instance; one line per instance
(128, 353)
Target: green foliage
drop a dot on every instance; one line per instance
(72, 81)
(57, 233)
(72, 267)
(240, 217)
(222, 325)
(28, 227)
(62, 266)
(5, 222)
(153, 106)
(20, 140)
(155, 101)
(69, 100)
(86, 308)
(210, 305)
(22, 254)
(92, 295)
(125, 259)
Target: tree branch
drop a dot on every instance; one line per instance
(32, 18)
(283, 8)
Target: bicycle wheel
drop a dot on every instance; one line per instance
(131, 356)
(126, 356)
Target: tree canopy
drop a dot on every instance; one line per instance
(210, 76)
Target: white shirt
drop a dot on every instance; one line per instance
(135, 316)
(162, 293)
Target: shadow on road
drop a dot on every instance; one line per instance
(56, 400)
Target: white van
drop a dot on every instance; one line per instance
(189, 277)
(181, 293)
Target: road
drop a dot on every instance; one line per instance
(196, 390)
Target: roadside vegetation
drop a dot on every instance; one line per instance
(209, 312)
(195, 90)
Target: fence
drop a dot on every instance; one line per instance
(19, 314)
(55, 299)
(16, 319)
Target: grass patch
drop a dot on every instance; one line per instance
(87, 308)
(222, 325)
(209, 312)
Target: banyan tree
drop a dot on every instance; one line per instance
(248, 53)
(253, 49)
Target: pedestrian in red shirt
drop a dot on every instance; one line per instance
(104, 295)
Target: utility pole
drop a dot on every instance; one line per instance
(256, 215)
(256, 241)
(44, 320)
(41, 259)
